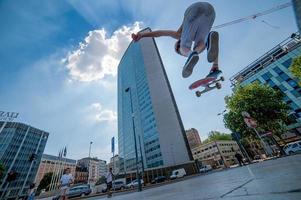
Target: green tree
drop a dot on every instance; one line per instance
(216, 135)
(45, 182)
(264, 104)
(295, 68)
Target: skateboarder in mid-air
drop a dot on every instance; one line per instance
(196, 26)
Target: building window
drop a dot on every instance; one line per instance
(293, 83)
(267, 76)
(284, 76)
(296, 93)
(278, 70)
(282, 88)
(287, 63)
(271, 83)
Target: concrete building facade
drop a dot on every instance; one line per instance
(50, 163)
(114, 164)
(147, 111)
(193, 138)
(93, 166)
(21, 149)
(218, 153)
(81, 175)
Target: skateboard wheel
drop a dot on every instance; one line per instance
(222, 78)
(218, 85)
(198, 93)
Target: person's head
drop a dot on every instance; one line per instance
(67, 171)
(110, 169)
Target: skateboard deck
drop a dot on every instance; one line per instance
(209, 83)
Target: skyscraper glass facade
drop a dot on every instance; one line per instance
(143, 89)
(132, 75)
(273, 69)
(21, 149)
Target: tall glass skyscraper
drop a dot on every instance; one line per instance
(272, 68)
(143, 87)
(21, 149)
(297, 9)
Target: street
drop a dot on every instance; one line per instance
(273, 179)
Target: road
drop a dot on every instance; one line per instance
(268, 180)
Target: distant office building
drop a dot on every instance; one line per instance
(114, 164)
(50, 163)
(93, 166)
(297, 9)
(21, 149)
(193, 138)
(144, 87)
(272, 68)
(217, 153)
(81, 175)
(102, 167)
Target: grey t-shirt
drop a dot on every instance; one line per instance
(197, 23)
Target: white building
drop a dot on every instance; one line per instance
(93, 165)
(114, 164)
(102, 167)
(217, 153)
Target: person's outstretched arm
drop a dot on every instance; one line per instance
(159, 33)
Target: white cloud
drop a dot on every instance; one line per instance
(99, 55)
(99, 114)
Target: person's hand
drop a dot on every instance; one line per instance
(136, 37)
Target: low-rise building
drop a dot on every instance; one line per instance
(102, 167)
(81, 175)
(93, 166)
(50, 163)
(217, 153)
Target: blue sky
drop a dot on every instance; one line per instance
(59, 57)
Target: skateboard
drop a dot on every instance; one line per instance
(209, 83)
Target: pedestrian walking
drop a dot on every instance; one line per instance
(109, 180)
(239, 157)
(66, 181)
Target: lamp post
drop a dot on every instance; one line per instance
(90, 149)
(134, 132)
(89, 164)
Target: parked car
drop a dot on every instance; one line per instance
(76, 191)
(134, 183)
(100, 187)
(293, 147)
(205, 168)
(117, 185)
(178, 173)
(158, 179)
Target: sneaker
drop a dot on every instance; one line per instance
(212, 46)
(214, 73)
(193, 58)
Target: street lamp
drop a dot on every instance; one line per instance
(90, 149)
(136, 152)
(89, 164)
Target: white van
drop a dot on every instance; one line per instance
(178, 173)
